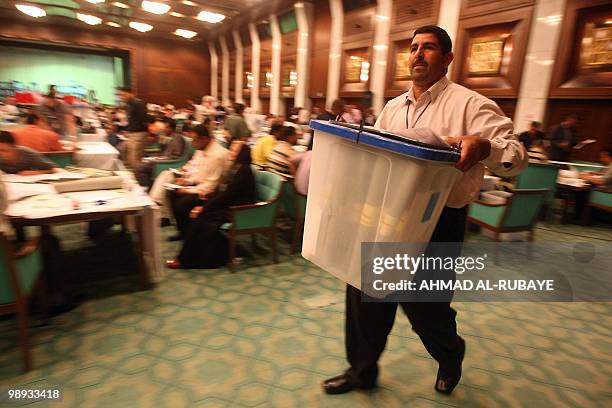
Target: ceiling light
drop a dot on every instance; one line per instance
(175, 14)
(185, 33)
(210, 17)
(31, 11)
(113, 24)
(121, 5)
(89, 19)
(95, 1)
(155, 7)
(189, 3)
(142, 27)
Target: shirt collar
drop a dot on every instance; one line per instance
(434, 91)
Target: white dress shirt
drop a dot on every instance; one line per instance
(449, 109)
(209, 167)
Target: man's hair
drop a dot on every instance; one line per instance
(239, 108)
(276, 128)
(201, 131)
(536, 124)
(170, 123)
(446, 45)
(286, 133)
(608, 151)
(338, 104)
(126, 89)
(32, 118)
(187, 128)
(7, 137)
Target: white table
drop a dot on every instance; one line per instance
(100, 136)
(48, 207)
(97, 155)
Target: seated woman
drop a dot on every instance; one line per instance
(204, 246)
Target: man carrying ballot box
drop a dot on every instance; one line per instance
(463, 117)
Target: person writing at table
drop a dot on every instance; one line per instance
(22, 160)
(209, 169)
(204, 246)
(603, 178)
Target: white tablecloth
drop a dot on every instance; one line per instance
(97, 155)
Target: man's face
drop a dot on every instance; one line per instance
(201, 142)
(427, 62)
(124, 96)
(605, 158)
(8, 153)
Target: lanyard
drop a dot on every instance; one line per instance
(418, 117)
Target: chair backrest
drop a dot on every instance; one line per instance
(523, 208)
(189, 149)
(268, 185)
(61, 159)
(539, 175)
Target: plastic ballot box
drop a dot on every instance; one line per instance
(371, 187)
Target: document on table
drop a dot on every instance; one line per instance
(62, 175)
(19, 191)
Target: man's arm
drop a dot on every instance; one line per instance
(491, 141)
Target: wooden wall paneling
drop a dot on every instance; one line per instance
(569, 79)
(507, 105)
(319, 57)
(594, 122)
(183, 67)
(288, 64)
(472, 8)
(511, 27)
(359, 24)
(411, 14)
(246, 91)
(232, 73)
(358, 89)
(398, 43)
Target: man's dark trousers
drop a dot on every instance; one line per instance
(369, 323)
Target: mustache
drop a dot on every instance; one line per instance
(419, 61)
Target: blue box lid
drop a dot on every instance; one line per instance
(405, 148)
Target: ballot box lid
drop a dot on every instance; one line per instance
(388, 141)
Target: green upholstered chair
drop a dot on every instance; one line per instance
(20, 276)
(256, 218)
(519, 213)
(294, 206)
(595, 166)
(600, 198)
(539, 175)
(158, 167)
(62, 158)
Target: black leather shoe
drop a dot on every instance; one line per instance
(342, 384)
(449, 376)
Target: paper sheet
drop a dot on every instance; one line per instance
(19, 191)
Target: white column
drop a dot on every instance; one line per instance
(239, 68)
(225, 72)
(255, 68)
(539, 62)
(378, 71)
(448, 19)
(335, 51)
(304, 15)
(275, 107)
(214, 66)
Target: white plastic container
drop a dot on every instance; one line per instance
(370, 189)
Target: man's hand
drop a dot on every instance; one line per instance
(204, 194)
(187, 191)
(180, 182)
(473, 150)
(195, 211)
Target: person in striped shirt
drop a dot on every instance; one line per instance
(278, 160)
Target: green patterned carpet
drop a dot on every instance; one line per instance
(269, 334)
